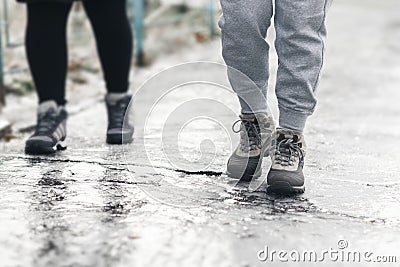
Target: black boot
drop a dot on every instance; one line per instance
(117, 131)
(50, 132)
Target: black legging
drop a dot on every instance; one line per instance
(46, 45)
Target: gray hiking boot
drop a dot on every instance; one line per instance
(256, 140)
(50, 132)
(286, 175)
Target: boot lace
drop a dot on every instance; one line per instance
(46, 123)
(287, 151)
(253, 133)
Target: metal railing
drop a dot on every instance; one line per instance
(140, 23)
(5, 25)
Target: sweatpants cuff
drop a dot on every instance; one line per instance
(253, 103)
(292, 120)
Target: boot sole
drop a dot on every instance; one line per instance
(244, 177)
(285, 188)
(118, 140)
(42, 150)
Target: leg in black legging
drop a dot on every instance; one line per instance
(46, 49)
(114, 41)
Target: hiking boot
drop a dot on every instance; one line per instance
(50, 132)
(117, 132)
(286, 174)
(256, 137)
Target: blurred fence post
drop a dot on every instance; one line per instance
(4, 125)
(138, 18)
(2, 86)
(211, 11)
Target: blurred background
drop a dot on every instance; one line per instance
(85, 202)
(162, 28)
(362, 36)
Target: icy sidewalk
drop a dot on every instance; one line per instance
(88, 206)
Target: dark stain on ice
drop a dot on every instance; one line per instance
(48, 247)
(273, 205)
(121, 181)
(207, 173)
(50, 179)
(116, 208)
(56, 159)
(46, 181)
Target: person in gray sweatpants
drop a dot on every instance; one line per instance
(300, 45)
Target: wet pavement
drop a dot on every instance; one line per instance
(100, 205)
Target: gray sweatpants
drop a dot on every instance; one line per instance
(300, 35)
